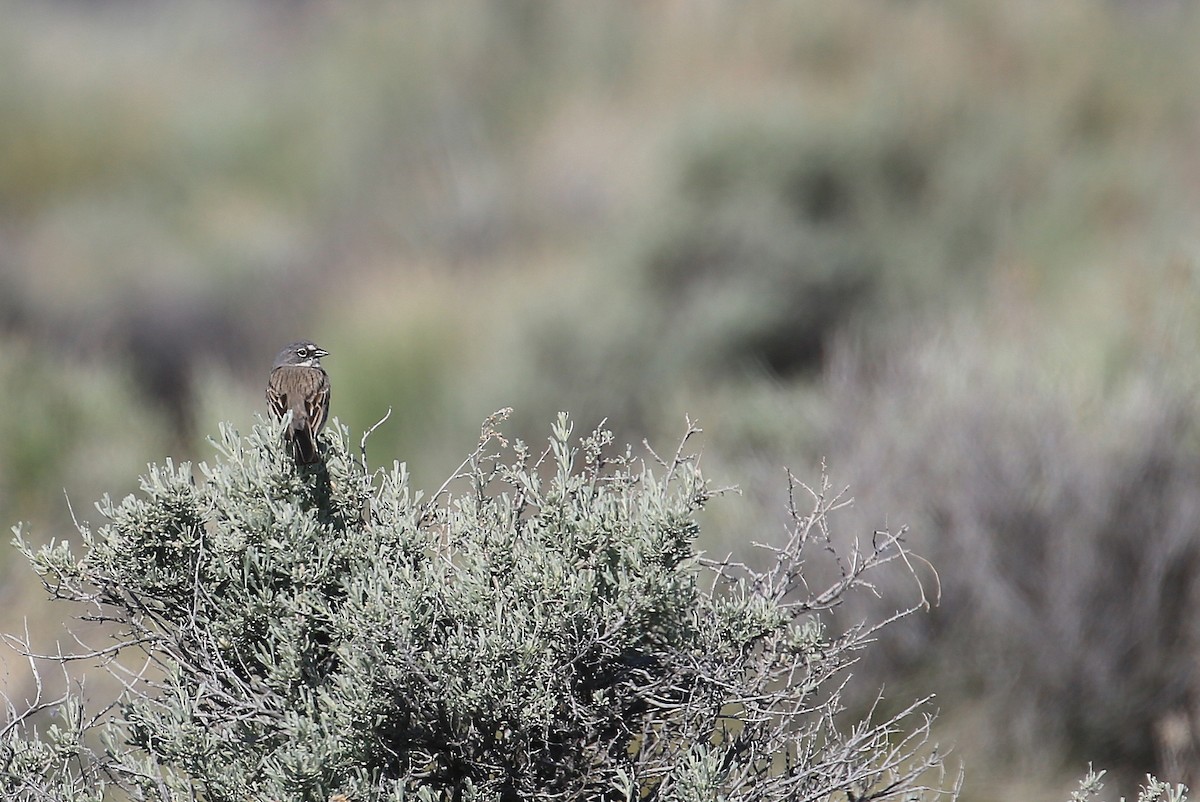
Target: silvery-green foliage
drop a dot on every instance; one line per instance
(1153, 790)
(541, 627)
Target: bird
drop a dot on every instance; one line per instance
(298, 384)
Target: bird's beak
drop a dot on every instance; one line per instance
(322, 352)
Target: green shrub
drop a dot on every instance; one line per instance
(541, 627)
(1062, 519)
(1153, 790)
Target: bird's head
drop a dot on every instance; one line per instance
(305, 353)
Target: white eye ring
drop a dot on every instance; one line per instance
(302, 353)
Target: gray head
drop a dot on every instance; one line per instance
(304, 352)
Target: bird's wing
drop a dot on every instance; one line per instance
(276, 402)
(316, 403)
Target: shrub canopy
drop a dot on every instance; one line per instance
(541, 627)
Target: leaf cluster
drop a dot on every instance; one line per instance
(541, 627)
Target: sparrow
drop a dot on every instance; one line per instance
(298, 384)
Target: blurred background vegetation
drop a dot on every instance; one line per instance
(948, 248)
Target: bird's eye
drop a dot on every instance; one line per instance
(302, 353)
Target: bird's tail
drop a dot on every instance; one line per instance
(304, 446)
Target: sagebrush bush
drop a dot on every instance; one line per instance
(1151, 790)
(541, 627)
(1064, 525)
